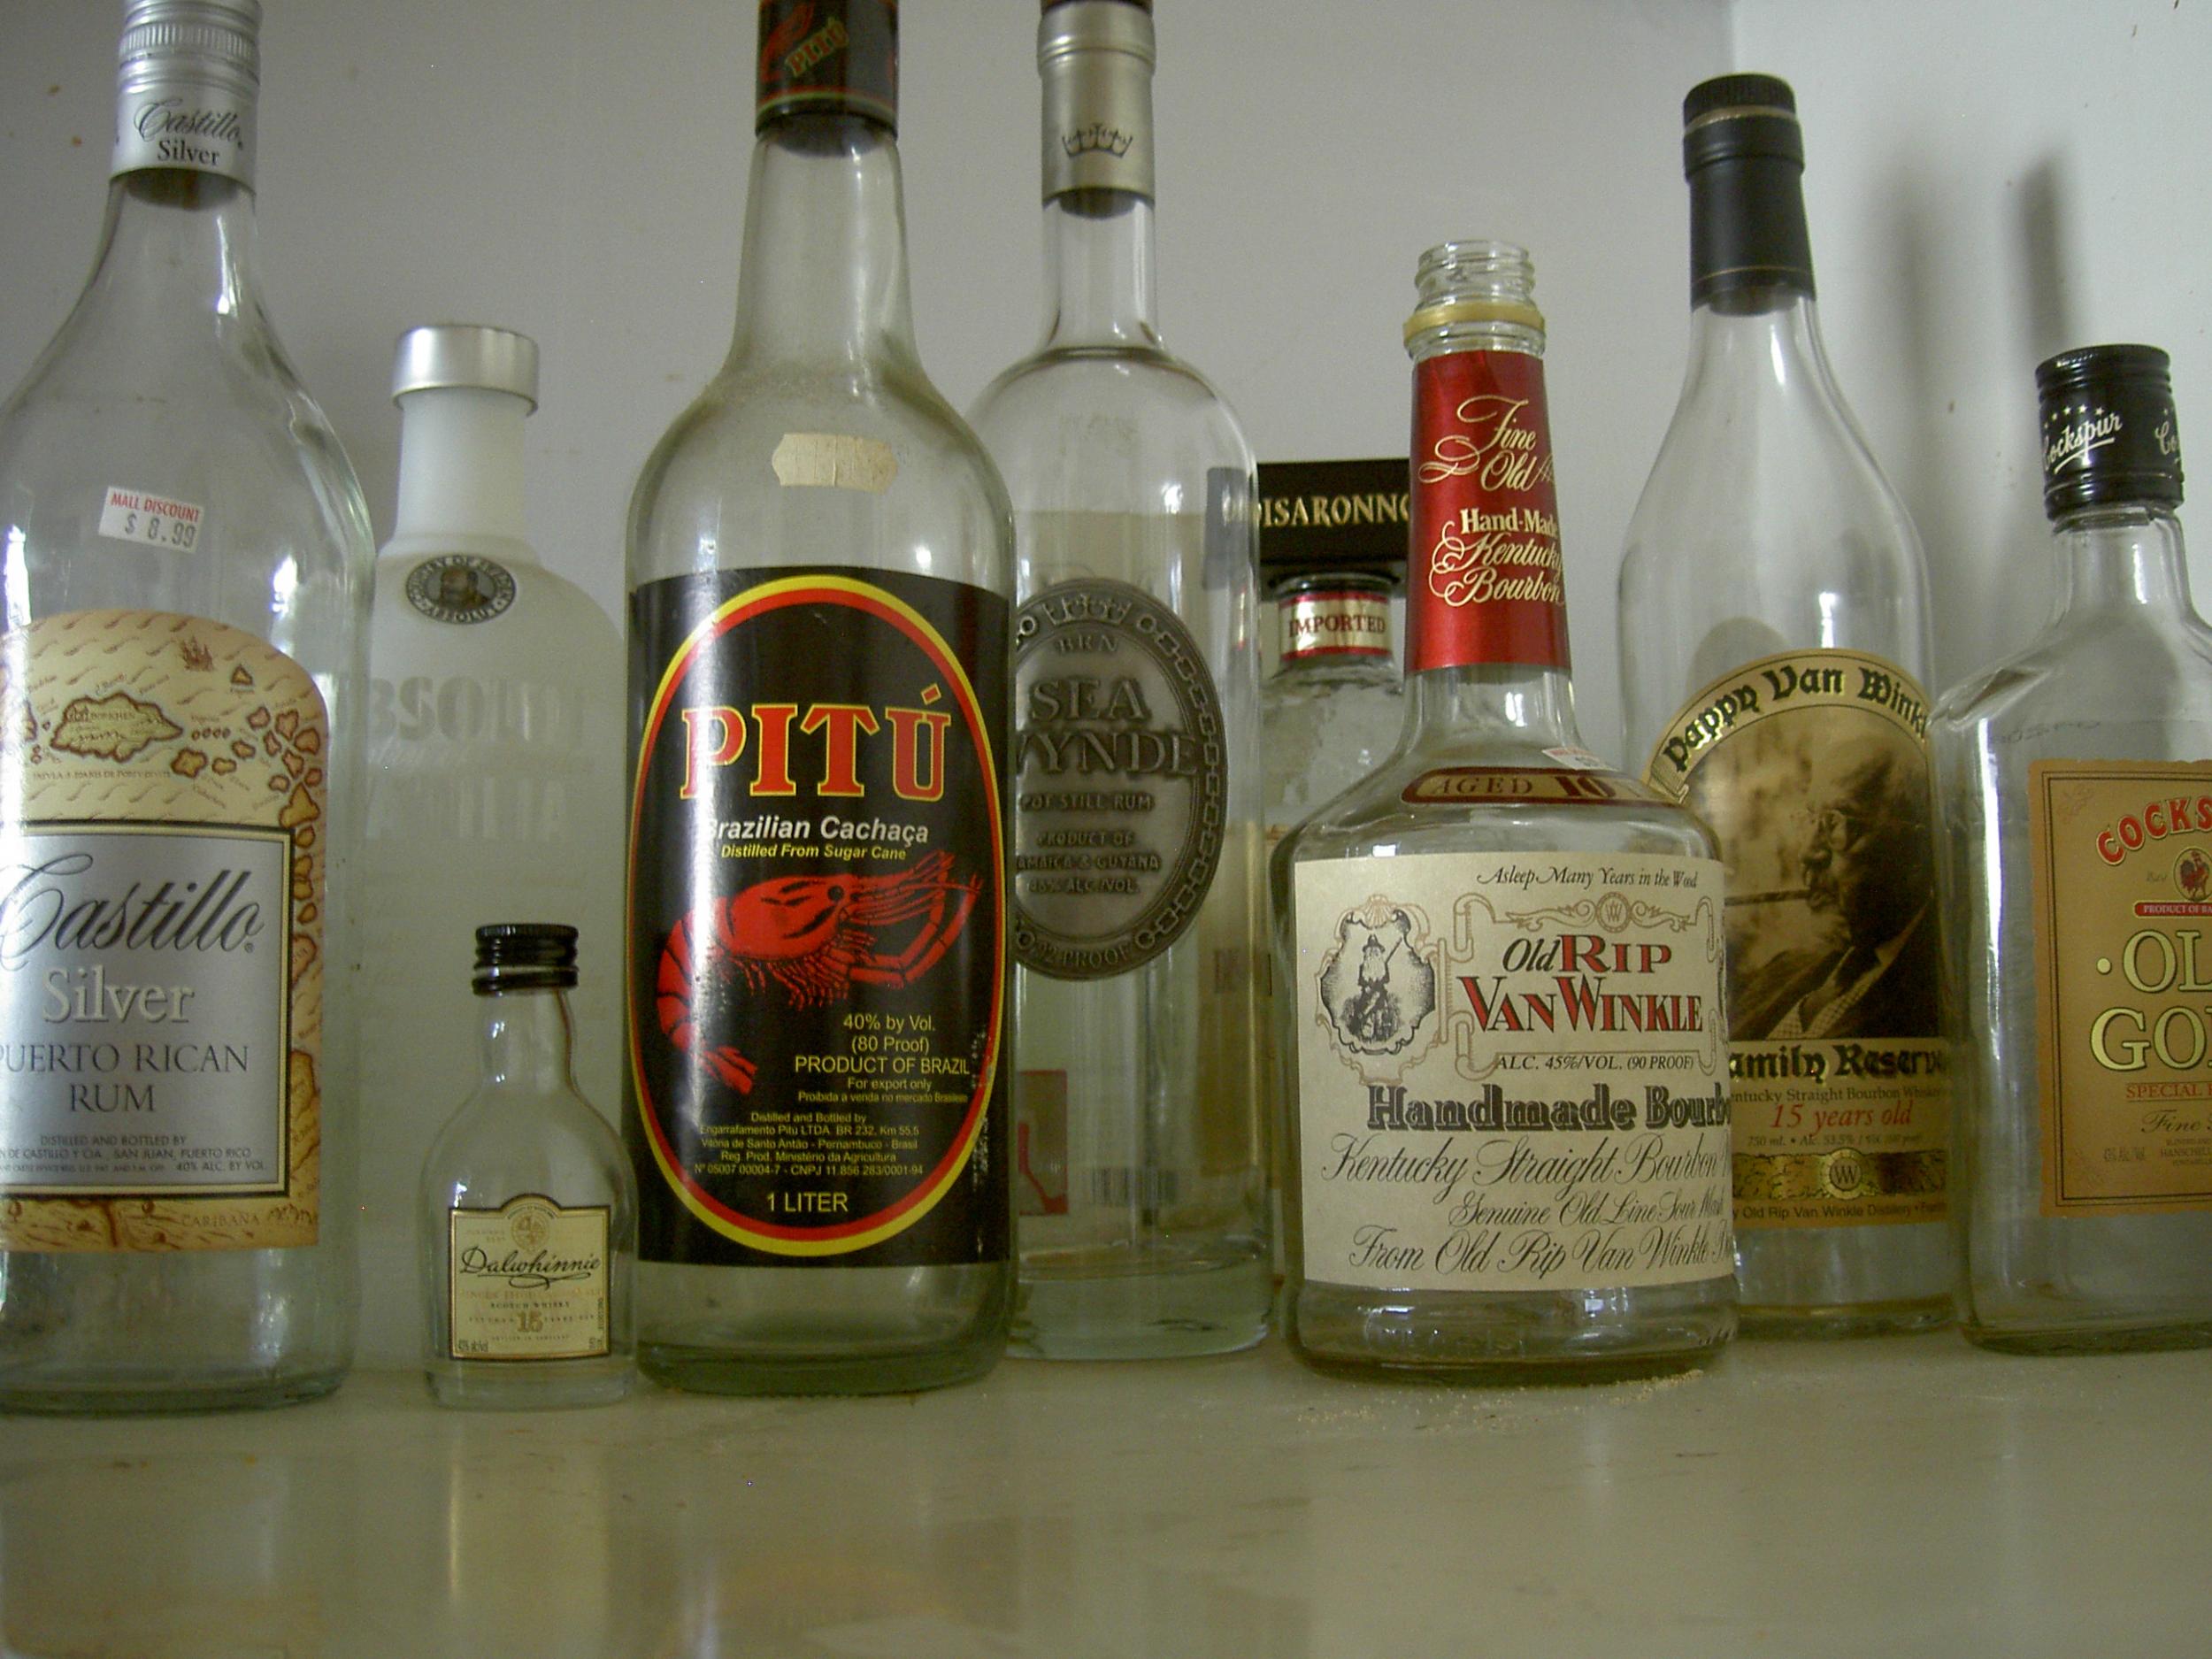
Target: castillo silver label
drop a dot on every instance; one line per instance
(1121, 780)
(179, 121)
(460, 587)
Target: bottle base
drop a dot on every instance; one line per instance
(1143, 1316)
(1843, 1321)
(539, 1386)
(2140, 1339)
(720, 1370)
(66, 1397)
(1508, 1337)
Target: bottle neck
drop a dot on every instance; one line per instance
(2122, 556)
(1099, 272)
(1760, 344)
(460, 464)
(1324, 623)
(1490, 713)
(176, 253)
(523, 1041)
(823, 276)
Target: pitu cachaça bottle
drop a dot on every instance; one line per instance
(2075, 784)
(1499, 982)
(1774, 652)
(186, 559)
(819, 564)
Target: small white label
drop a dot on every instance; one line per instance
(1579, 758)
(130, 515)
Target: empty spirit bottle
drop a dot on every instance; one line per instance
(1500, 964)
(1140, 1162)
(820, 563)
(1335, 705)
(186, 560)
(1774, 645)
(528, 1209)
(2076, 782)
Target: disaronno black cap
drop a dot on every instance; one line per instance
(525, 957)
(2108, 431)
(1744, 156)
(833, 54)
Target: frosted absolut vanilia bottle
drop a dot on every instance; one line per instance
(1139, 1149)
(185, 556)
(820, 563)
(2076, 782)
(528, 1209)
(1774, 645)
(496, 739)
(1500, 975)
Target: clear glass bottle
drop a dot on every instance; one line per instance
(2076, 787)
(185, 560)
(527, 1207)
(1774, 648)
(1335, 705)
(1492, 911)
(495, 734)
(820, 565)
(1137, 889)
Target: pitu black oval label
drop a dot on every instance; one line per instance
(460, 587)
(817, 970)
(1120, 779)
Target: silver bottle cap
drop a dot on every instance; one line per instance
(1097, 58)
(188, 73)
(466, 354)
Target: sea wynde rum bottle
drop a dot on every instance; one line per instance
(1504, 1049)
(186, 557)
(1774, 649)
(1140, 1157)
(2075, 784)
(495, 748)
(820, 564)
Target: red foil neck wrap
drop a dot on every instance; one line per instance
(1334, 622)
(1485, 583)
(836, 55)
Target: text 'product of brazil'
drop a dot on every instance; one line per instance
(186, 555)
(1774, 649)
(495, 788)
(820, 565)
(2076, 783)
(1500, 964)
(1139, 1162)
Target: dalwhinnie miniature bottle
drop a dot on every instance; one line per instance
(1500, 991)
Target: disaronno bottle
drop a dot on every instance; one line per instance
(2076, 780)
(185, 556)
(495, 723)
(1505, 1055)
(1773, 650)
(819, 568)
(529, 1208)
(1138, 1144)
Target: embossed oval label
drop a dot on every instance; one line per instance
(1121, 780)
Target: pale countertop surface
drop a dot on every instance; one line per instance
(1902, 1497)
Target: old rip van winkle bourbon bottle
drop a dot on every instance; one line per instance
(820, 571)
(1504, 1049)
(2076, 781)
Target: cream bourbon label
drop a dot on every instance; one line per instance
(161, 901)
(527, 1280)
(1512, 1071)
(817, 966)
(1121, 780)
(1812, 769)
(2123, 891)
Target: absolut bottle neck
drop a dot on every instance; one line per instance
(460, 465)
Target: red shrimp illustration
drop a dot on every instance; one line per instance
(814, 936)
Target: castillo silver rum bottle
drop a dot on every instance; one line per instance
(185, 558)
(495, 741)
(819, 570)
(1139, 1174)
(1774, 649)
(2076, 779)
(1504, 1055)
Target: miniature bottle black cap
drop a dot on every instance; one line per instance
(2108, 428)
(1744, 156)
(525, 957)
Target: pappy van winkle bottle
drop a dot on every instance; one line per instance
(2076, 781)
(1140, 1173)
(528, 1210)
(1500, 964)
(1774, 649)
(185, 557)
(820, 561)
(495, 739)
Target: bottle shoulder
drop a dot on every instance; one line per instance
(457, 606)
(2121, 665)
(1067, 427)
